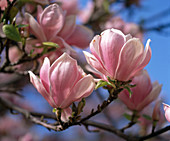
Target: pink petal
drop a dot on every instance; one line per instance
(63, 45)
(81, 37)
(44, 74)
(52, 20)
(146, 56)
(40, 88)
(167, 111)
(43, 2)
(63, 76)
(95, 63)
(69, 27)
(83, 88)
(111, 42)
(35, 27)
(129, 58)
(66, 113)
(152, 96)
(39, 13)
(142, 89)
(125, 98)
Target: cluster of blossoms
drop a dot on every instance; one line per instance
(117, 59)
(116, 56)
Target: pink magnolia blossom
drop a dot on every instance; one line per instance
(167, 111)
(71, 6)
(117, 55)
(3, 4)
(62, 83)
(53, 25)
(85, 14)
(126, 28)
(156, 111)
(142, 94)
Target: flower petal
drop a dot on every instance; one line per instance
(95, 63)
(130, 55)
(63, 76)
(83, 88)
(111, 42)
(44, 74)
(81, 37)
(69, 27)
(167, 111)
(40, 88)
(66, 113)
(39, 13)
(35, 27)
(52, 20)
(152, 96)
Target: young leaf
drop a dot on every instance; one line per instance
(102, 83)
(54, 110)
(13, 12)
(81, 106)
(11, 32)
(127, 116)
(147, 117)
(129, 90)
(22, 25)
(50, 44)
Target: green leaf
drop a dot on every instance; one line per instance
(50, 44)
(106, 5)
(127, 116)
(54, 110)
(13, 12)
(102, 83)
(81, 105)
(147, 117)
(22, 25)
(129, 90)
(11, 32)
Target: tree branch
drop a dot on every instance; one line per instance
(111, 129)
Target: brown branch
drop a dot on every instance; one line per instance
(111, 97)
(157, 28)
(111, 129)
(156, 133)
(132, 122)
(27, 114)
(32, 117)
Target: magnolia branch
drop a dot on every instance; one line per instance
(32, 116)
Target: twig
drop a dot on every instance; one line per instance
(110, 129)
(111, 97)
(156, 133)
(27, 114)
(132, 122)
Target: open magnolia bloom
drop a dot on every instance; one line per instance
(117, 55)
(167, 111)
(142, 94)
(62, 83)
(53, 25)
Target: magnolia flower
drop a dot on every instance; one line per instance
(126, 28)
(156, 111)
(53, 25)
(62, 83)
(142, 94)
(71, 6)
(167, 111)
(3, 4)
(85, 13)
(117, 55)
